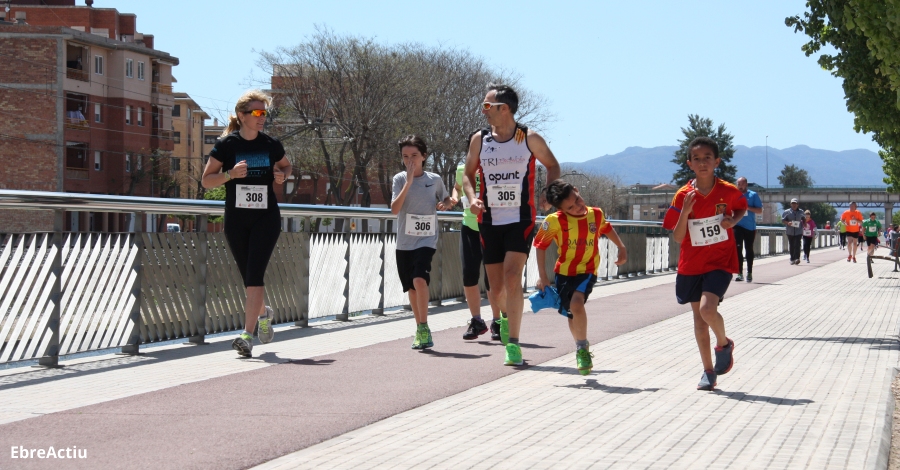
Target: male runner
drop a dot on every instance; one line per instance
(871, 229)
(745, 230)
(793, 220)
(504, 157)
(853, 219)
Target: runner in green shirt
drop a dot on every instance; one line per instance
(842, 229)
(470, 249)
(871, 228)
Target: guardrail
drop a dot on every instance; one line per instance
(65, 293)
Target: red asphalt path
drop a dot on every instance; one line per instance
(249, 418)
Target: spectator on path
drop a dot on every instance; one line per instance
(842, 231)
(809, 234)
(895, 240)
(871, 229)
(827, 225)
(702, 215)
(853, 219)
(745, 230)
(252, 162)
(792, 219)
(417, 196)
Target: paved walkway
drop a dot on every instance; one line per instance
(816, 347)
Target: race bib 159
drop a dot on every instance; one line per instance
(707, 231)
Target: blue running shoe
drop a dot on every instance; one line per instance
(707, 381)
(724, 358)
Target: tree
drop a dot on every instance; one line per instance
(867, 41)
(215, 194)
(598, 190)
(794, 177)
(703, 127)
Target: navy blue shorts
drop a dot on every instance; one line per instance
(691, 288)
(567, 286)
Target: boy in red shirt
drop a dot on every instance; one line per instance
(702, 215)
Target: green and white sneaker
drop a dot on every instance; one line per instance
(418, 340)
(504, 329)
(740, 277)
(584, 362)
(513, 355)
(265, 331)
(243, 344)
(427, 342)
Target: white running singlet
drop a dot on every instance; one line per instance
(507, 168)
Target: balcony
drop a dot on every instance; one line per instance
(76, 104)
(77, 74)
(77, 174)
(162, 89)
(77, 56)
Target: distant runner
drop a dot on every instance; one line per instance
(853, 219)
(745, 230)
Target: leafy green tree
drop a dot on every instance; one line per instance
(794, 177)
(215, 194)
(703, 127)
(865, 36)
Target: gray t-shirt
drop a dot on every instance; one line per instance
(421, 200)
(793, 216)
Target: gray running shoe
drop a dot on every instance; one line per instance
(707, 381)
(243, 344)
(749, 277)
(264, 324)
(724, 358)
(740, 277)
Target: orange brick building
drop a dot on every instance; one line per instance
(87, 106)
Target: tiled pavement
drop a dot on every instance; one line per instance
(810, 389)
(815, 353)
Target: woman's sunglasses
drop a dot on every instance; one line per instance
(257, 112)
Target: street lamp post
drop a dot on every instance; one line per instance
(767, 162)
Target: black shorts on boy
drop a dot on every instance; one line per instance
(412, 264)
(567, 286)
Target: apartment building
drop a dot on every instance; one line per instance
(91, 106)
(188, 136)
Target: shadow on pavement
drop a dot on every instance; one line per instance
(876, 343)
(592, 384)
(741, 396)
(431, 352)
(311, 362)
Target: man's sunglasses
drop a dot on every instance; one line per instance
(257, 112)
(486, 106)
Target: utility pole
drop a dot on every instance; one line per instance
(767, 162)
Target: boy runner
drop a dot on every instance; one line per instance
(417, 196)
(505, 158)
(853, 219)
(871, 229)
(470, 249)
(576, 228)
(702, 215)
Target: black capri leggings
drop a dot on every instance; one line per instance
(470, 248)
(252, 240)
(744, 239)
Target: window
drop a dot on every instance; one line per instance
(98, 64)
(140, 161)
(176, 111)
(97, 160)
(176, 164)
(97, 117)
(210, 139)
(129, 68)
(128, 163)
(645, 213)
(127, 114)
(140, 117)
(176, 136)
(140, 70)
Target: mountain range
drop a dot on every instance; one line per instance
(825, 167)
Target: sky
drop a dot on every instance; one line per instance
(616, 74)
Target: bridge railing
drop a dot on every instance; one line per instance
(63, 293)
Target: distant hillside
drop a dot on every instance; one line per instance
(826, 167)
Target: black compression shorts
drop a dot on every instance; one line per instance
(252, 239)
(497, 240)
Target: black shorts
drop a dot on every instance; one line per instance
(470, 248)
(690, 288)
(412, 264)
(252, 239)
(567, 286)
(497, 240)
(872, 240)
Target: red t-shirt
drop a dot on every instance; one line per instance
(723, 199)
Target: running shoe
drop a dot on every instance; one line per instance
(513, 355)
(427, 342)
(476, 328)
(420, 339)
(749, 277)
(854, 259)
(266, 333)
(504, 329)
(724, 358)
(495, 330)
(584, 362)
(707, 381)
(807, 260)
(243, 344)
(740, 277)
(848, 258)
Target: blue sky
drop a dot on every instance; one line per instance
(617, 74)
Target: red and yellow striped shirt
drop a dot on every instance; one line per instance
(577, 239)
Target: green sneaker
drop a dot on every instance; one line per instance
(513, 355)
(420, 339)
(740, 277)
(584, 362)
(504, 330)
(426, 338)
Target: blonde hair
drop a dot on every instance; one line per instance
(243, 105)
